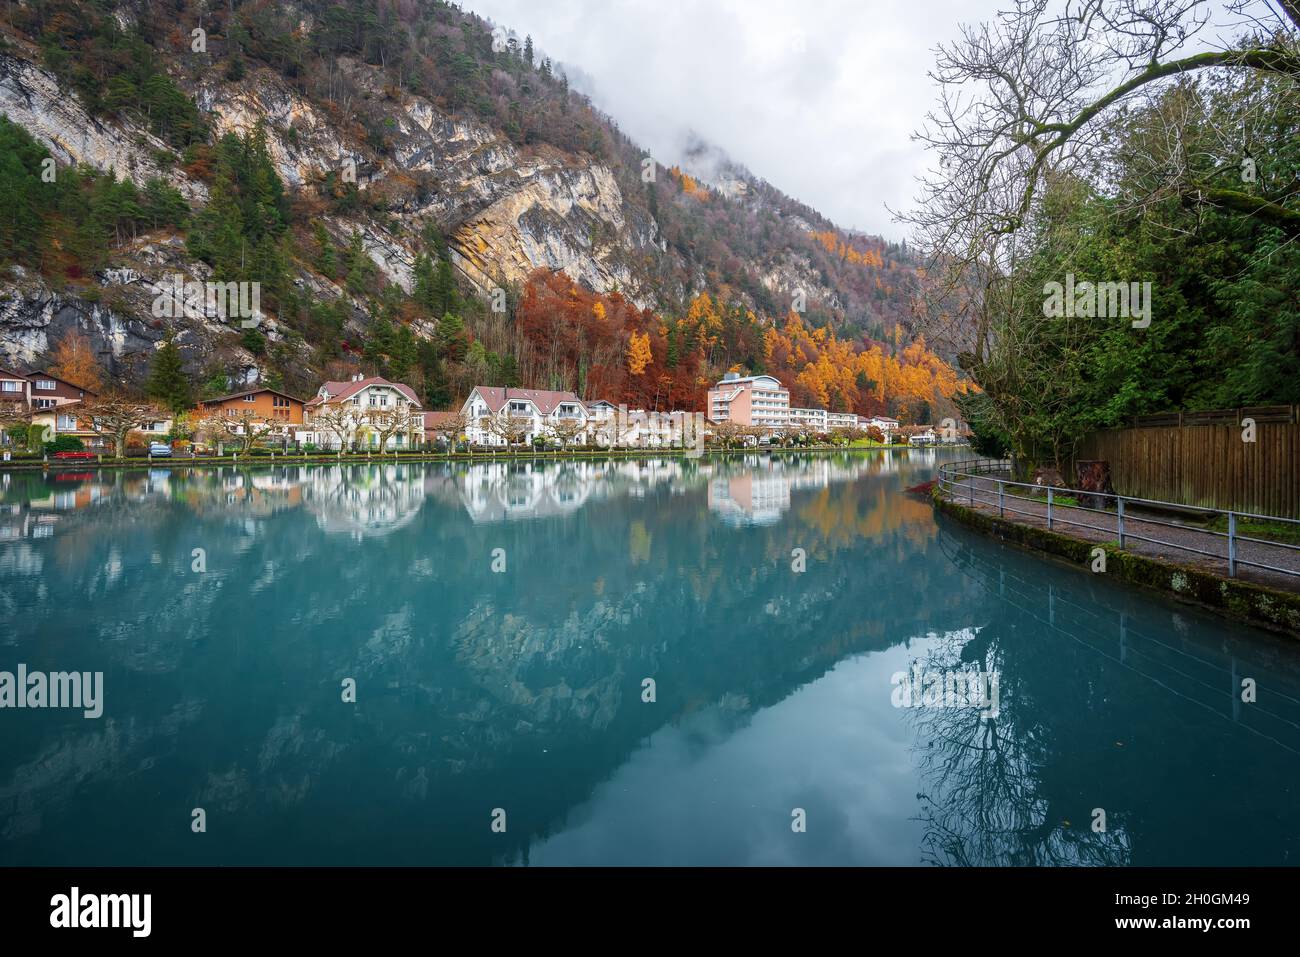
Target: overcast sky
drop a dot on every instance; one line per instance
(819, 97)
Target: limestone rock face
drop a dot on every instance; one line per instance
(505, 211)
(31, 97)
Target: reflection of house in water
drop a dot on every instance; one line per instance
(513, 490)
(507, 491)
(750, 498)
(756, 490)
(363, 500)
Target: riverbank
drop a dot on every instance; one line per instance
(1241, 600)
(357, 458)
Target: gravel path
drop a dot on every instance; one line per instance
(1101, 527)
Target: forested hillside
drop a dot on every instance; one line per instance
(1133, 172)
(416, 197)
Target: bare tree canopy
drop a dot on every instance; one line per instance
(1027, 96)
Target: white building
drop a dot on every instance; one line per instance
(345, 413)
(884, 423)
(841, 420)
(534, 412)
(808, 420)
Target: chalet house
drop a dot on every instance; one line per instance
(355, 413)
(534, 412)
(13, 386)
(46, 391)
(263, 405)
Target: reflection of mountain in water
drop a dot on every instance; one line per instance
(476, 690)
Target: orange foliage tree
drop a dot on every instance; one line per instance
(74, 361)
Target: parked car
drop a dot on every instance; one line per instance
(160, 450)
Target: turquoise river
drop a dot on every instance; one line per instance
(677, 661)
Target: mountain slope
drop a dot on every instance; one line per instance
(340, 153)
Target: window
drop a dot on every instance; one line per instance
(45, 403)
(10, 386)
(250, 398)
(67, 423)
(46, 384)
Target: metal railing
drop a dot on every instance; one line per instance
(990, 472)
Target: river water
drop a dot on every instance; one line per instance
(635, 662)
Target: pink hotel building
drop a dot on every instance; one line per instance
(750, 400)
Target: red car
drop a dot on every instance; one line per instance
(74, 455)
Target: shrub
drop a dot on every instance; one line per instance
(64, 443)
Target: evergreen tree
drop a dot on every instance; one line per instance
(451, 337)
(359, 266)
(167, 382)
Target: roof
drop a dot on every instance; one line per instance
(434, 419)
(240, 395)
(497, 396)
(340, 391)
(749, 378)
(50, 375)
(11, 374)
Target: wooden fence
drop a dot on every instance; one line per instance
(1201, 458)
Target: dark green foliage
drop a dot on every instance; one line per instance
(67, 227)
(167, 382)
(64, 443)
(115, 71)
(241, 232)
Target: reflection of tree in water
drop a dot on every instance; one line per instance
(511, 676)
(989, 799)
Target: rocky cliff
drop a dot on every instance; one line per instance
(504, 208)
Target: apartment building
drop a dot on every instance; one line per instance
(750, 400)
(841, 420)
(495, 414)
(808, 420)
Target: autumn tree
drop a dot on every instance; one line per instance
(512, 429)
(387, 422)
(638, 353)
(244, 430)
(565, 430)
(74, 361)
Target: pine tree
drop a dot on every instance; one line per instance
(446, 298)
(451, 337)
(425, 280)
(359, 266)
(167, 382)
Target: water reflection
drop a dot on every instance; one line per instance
(523, 689)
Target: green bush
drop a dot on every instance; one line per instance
(64, 443)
